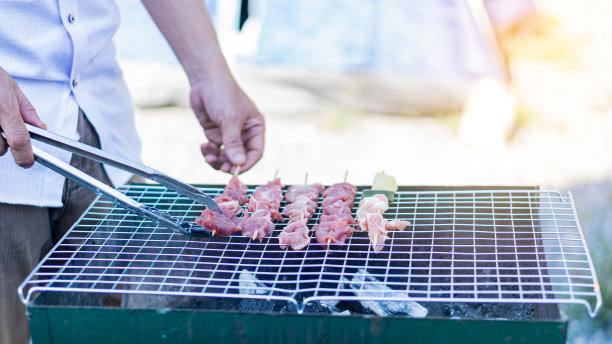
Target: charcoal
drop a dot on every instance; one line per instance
(215, 303)
(255, 305)
(489, 311)
(354, 307)
(310, 308)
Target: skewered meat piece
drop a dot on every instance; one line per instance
(221, 224)
(235, 190)
(264, 205)
(343, 199)
(372, 205)
(338, 208)
(334, 223)
(344, 217)
(370, 219)
(396, 225)
(271, 193)
(301, 208)
(333, 231)
(310, 191)
(295, 234)
(303, 204)
(268, 197)
(375, 224)
(230, 201)
(340, 188)
(258, 222)
(268, 206)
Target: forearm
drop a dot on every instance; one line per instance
(187, 27)
(235, 129)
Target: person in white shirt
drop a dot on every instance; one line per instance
(58, 71)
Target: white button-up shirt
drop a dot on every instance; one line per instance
(61, 54)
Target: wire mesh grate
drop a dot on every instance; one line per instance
(502, 246)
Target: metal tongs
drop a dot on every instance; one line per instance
(173, 223)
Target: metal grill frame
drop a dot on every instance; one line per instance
(108, 250)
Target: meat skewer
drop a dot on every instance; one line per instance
(370, 219)
(336, 219)
(264, 206)
(230, 201)
(302, 204)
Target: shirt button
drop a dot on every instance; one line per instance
(70, 18)
(74, 83)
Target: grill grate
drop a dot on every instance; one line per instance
(502, 246)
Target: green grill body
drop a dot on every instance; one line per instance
(103, 325)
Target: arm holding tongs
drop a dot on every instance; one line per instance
(113, 195)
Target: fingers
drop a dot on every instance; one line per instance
(226, 167)
(17, 136)
(252, 158)
(255, 141)
(28, 113)
(233, 125)
(3, 145)
(11, 123)
(216, 157)
(210, 151)
(254, 137)
(232, 143)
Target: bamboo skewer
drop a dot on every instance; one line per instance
(255, 234)
(375, 241)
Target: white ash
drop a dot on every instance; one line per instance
(251, 285)
(329, 303)
(366, 286)
(343, 313)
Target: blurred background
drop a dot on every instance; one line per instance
(440, 92)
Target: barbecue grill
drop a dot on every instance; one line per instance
(484, 263)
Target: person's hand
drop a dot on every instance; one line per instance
(15, 109)
(233, 125)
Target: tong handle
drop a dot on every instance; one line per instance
(117, 197)
(133, 167)
(89, 151)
